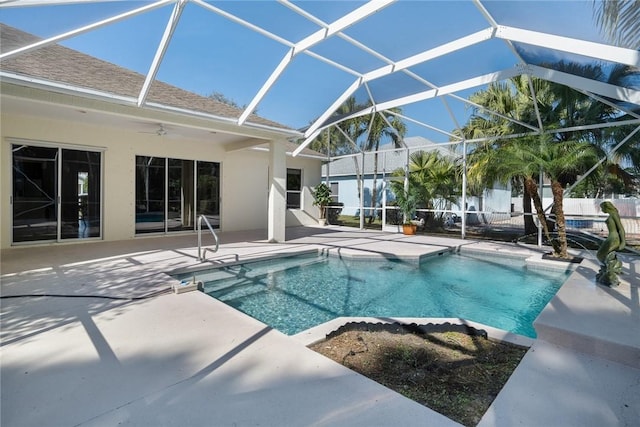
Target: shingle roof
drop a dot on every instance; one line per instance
(60, 64)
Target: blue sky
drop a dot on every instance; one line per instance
(211, 54)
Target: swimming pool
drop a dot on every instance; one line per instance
(295, 293)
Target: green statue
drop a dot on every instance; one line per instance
(611, 267)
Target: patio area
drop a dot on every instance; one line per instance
(123, 349)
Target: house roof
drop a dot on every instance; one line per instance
(62, 65)
(59, 64)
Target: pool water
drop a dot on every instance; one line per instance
(295, 293)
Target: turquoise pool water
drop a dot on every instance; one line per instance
(295, 293)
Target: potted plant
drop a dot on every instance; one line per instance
(322, 198)
(407, 201)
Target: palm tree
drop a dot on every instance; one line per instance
(619, 20)
(342, 137)
(489, 164)
(333, 141)
(527, 156)
(566, 107)
(509, 100)
(559, 107)
(597, 185)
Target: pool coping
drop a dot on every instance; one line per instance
(531, 261)
(319, 333)
(274, 379)
(568, 319)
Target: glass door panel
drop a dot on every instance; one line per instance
(180, 213)
(35, 214)
(170, 193)
(208, 185)
(150, 194)
(80, 194)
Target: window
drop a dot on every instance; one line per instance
(294, 188)
(171, 193)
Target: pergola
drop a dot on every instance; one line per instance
(298, 62)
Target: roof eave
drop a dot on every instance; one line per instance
(110, 98)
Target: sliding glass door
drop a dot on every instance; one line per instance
(209, 192)
(56, 193)
(180, 194)
(35, 193)
(170, 193)
(80, 202)
(150, 188)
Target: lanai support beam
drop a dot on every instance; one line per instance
(581, 83)
(277, 214)
(77, 31)
(162, 48)
(599, 51)
(313, 131)
(402, 65)
(362, 193)
(308, 42)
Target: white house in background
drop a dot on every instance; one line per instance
(68, 118)
(342, 177)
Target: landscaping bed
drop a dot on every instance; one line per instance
(454, 370)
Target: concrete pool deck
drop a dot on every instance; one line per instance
(189, 360)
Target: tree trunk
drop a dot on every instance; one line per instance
(529, 223)
(532, 188)
(557, 191)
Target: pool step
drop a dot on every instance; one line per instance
(251, 275)
(250, 269)
(236, 289)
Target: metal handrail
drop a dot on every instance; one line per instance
(201, 252)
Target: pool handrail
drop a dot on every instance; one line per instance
(202, 252)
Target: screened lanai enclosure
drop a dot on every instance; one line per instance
(380, 90)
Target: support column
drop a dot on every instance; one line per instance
(463, 231)
(277, 192)
(362, 194)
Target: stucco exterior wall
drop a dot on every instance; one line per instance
(308, 214)
(244, 173)
(245, 190)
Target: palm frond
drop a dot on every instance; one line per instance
(619, 21)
